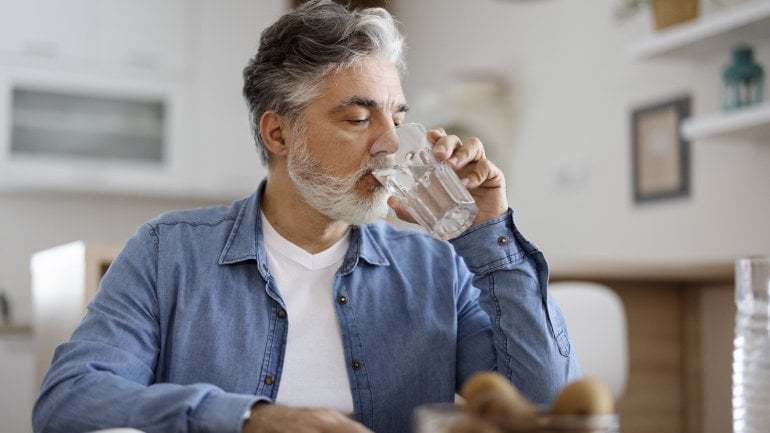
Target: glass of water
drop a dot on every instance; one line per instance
(428, 189)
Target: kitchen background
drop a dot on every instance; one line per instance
(550, 86)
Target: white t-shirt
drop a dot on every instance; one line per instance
(314, 368)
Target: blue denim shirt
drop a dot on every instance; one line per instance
(188, 329)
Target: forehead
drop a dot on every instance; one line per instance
(376, 79)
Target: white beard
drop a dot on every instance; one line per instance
(333, 196)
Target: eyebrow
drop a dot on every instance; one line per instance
(365, 102)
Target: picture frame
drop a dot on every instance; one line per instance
(660, 154)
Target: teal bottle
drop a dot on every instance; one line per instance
(743, 80)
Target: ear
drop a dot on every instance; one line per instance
(272, 128)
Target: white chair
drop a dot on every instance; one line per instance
(596, 320)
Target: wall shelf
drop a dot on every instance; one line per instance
(753, 121)
(715, 32)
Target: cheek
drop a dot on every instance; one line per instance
(344, 155)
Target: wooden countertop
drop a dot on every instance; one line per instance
(15, 330)
(716, 272)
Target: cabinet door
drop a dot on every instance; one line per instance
(48, 29)
(141, 33)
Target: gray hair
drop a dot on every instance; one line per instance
(303, 46)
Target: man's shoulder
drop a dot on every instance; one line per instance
(200, 216)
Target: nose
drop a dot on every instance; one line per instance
(387, 143)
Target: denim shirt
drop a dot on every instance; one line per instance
(188, 329)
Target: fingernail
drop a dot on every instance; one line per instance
(452, 160)
(465, 181)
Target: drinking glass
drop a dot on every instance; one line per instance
(751, 352)
(428, 189)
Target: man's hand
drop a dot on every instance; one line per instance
(273, 418)
(484, 180)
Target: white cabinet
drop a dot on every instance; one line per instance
(139, 34)
(45, 29)
(185, 56)
(81, 56)
(91, 133)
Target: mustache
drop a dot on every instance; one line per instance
(384, 161)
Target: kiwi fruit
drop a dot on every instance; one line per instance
(491, 397)
(586, 396)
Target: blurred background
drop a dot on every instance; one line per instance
(113, 111)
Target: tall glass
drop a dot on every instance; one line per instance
(751, 354)
(428, 189)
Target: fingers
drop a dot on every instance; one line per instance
(468, 151)
(482, 173)
(483, 179)
(467, 158)
(453, 150)
(273, 418)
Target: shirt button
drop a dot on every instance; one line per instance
(342, 300)
(269, 380)
(502, 241)
(356, 365)
(281, 313)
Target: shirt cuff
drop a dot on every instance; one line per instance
(223, 412)
(492, 245)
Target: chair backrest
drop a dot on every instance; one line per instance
(596, 320)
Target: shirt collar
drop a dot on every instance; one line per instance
(246, 241)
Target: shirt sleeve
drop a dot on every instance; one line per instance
(529, 333)
(104, 376)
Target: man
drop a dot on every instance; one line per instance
(290, 310)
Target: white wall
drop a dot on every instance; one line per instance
(573, 88)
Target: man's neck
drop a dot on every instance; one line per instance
(298, 223)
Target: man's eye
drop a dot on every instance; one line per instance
(358, 121)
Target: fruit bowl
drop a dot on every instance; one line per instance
(451, 418)
(491, 404)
